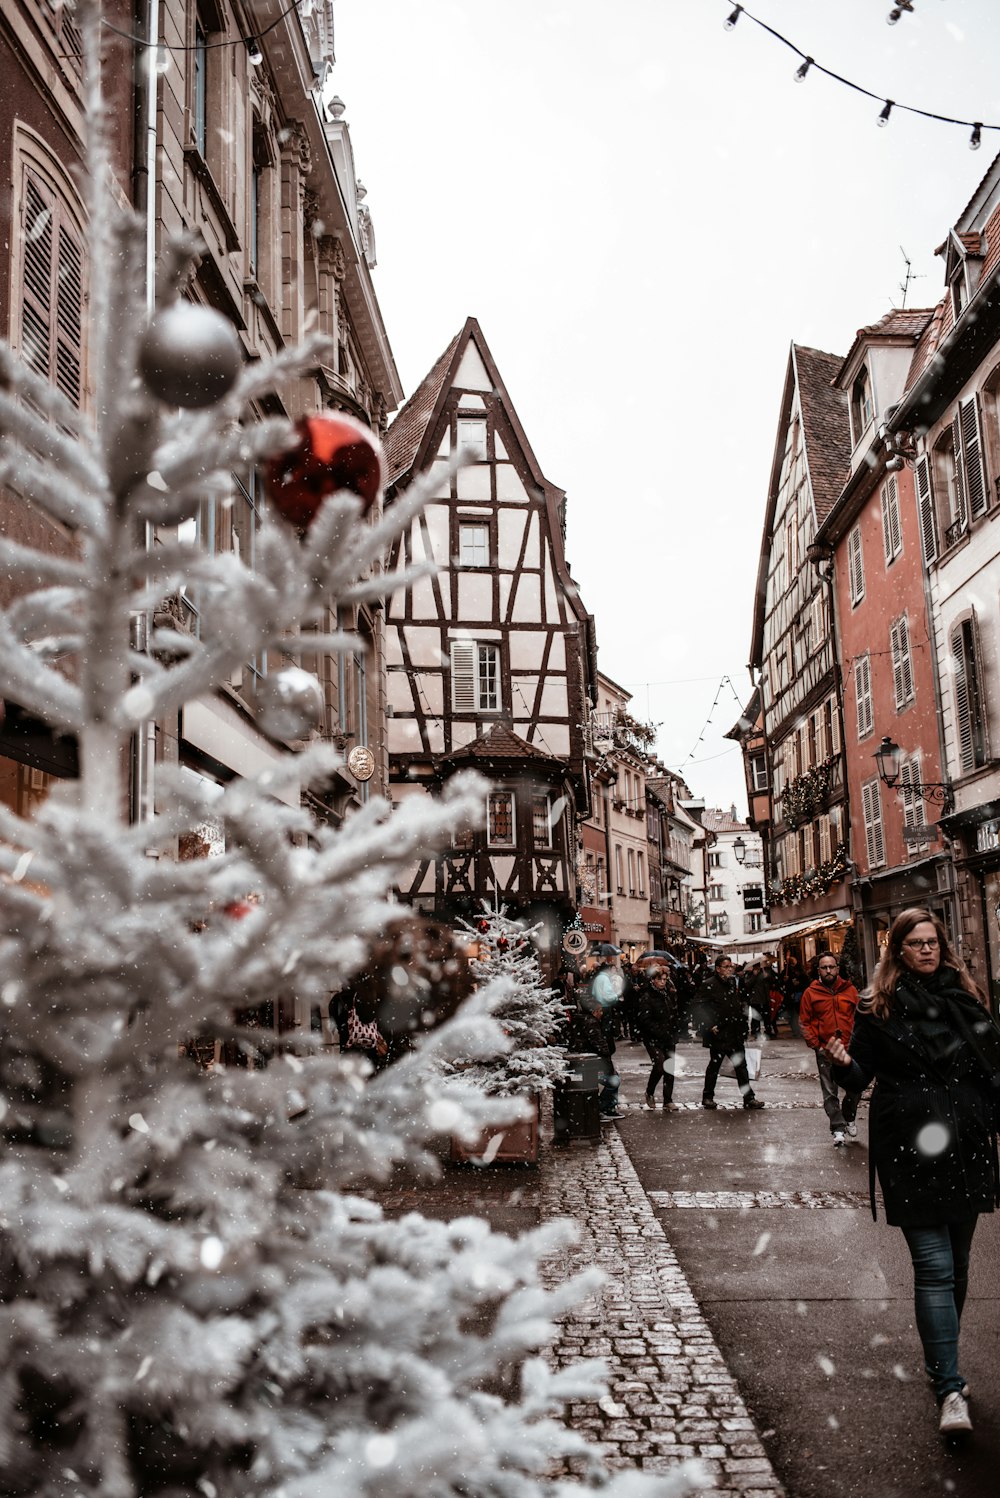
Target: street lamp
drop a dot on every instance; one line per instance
(740, 849)
(888, 761)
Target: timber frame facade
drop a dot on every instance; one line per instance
(491, 660)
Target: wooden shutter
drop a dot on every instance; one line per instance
(909, 776)
(51, 340)
(863, 695)
(976, 493)
(872, 807)
(824, 839)
(970, 710)
(925, 512)
(902, 666)
(891, 536)
(855, 563)
(961, 502)
(463, 676)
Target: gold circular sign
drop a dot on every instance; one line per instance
(361, 762)
(575, 942)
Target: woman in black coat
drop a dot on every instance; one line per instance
(656, 1018)
(926, 1038)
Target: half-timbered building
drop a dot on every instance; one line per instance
(490, 661)
(805, 829)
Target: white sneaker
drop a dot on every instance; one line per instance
(838, 1139)
(954, 1415)
(852, 1130)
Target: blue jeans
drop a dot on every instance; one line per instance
(608, 1097)
(940, 1279)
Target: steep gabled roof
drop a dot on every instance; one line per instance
(403, 439)
(825, 425)
(499, 744)
(826, 441)
(716, 820)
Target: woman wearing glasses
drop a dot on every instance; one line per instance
(926, 1038)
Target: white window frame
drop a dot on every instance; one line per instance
(500, 793)
(475, 676)
(758, 770)
(471, 435)
(619, 870)
(640, 865)
(473, 543)
(631, 872)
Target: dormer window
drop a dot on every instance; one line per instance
(958, 288)
(862, 406)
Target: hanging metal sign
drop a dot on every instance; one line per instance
(361, 762)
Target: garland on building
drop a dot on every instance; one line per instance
(808, 793)
(815, 882)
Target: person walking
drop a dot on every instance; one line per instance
(600, 999)
(827, 1013)
(657, 1022)
(792, 984)
(723, 1024)
(925, 1036)
(761, 992)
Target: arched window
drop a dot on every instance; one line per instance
(48, 286)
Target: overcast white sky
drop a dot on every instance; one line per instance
(644, 210)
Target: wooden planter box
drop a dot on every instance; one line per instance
(518, 1142)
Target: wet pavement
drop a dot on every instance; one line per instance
(753, 1315)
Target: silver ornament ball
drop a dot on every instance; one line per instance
(190, 356)
(289, 704)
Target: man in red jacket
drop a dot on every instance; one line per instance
(827, 1013)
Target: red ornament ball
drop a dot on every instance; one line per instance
(333, 452)
(503, 944)
(484, 926)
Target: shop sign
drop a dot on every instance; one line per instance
(920, 832)
(988, 836)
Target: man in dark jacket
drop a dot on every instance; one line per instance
(722, 1020)
(759, 994)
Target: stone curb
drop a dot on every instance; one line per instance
(671, 1395)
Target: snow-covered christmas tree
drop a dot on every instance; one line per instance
(177, 1315)
(529, 1013)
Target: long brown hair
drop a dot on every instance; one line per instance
(892, 967)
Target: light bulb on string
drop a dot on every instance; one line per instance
(897, 10)
(254, 55)
(976, 138)
(731, 20)
(803, 70)
(883, 118)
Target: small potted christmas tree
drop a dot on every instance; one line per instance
(530, 1015)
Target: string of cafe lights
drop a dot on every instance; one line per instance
(809, 64)
(724, 682)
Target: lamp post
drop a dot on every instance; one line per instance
(740, 850)
(889, 760)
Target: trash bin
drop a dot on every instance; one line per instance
(575, 1111)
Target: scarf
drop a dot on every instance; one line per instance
(944, 1016)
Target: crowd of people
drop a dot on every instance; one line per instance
(921, 1037)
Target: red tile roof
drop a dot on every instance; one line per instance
(500, 742)
(901, 322)
(715, 820)
(410, 422)
(825, 425)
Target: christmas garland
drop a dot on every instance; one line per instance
(815, 882)
(808, 793)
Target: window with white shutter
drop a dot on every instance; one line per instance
(976, 493)
(872, 807)
(926, 518)
(970, 707)
(475, 677)
(50, 335)
(892, 535)
(863, 695)
(959, 498)
(856, 565)
(902, 663)
(825, 850)
(470, 435)
(912, 806)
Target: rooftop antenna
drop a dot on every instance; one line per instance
(904, 284)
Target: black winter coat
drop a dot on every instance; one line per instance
(719, 1003)
(932, 1136)
(657, 1017)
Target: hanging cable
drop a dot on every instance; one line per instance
(888, 105)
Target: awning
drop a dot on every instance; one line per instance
(761, 940)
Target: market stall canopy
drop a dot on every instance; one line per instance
(761, 941)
